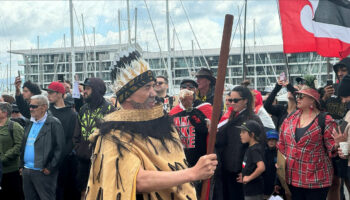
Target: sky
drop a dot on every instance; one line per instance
(23, 21)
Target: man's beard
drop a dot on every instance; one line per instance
(144, 105)
(88, 98)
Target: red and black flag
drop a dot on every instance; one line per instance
(321, 26)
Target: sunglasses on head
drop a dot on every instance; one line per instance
(183, 86)
(234, 100)
(33, 106)
(159, 83)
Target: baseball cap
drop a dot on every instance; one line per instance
(56, 87)
(251, 126)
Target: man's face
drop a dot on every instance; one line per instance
(161, 85)
(3, 115)
(342, 72)
(67, 87)
(203, 83)
(143, 98)
(26, 93)
(345, 99)
(53, 96)
(87, 91)
(37, 110)
(189, 86)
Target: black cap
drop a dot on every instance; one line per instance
(87, 82)
(15, 108)
(299, 80)
(344, 87)
(251, 126)
(189, 81)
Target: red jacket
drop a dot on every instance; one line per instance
(308, 163)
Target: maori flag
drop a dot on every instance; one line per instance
(321, 26)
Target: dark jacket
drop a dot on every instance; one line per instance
(280, 111)
(68, 119)
(48, 146)
(229, 144)
(334, 105)
(23, 106)
(270, 170)
(88, 120)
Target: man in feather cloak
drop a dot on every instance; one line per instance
(138, 153)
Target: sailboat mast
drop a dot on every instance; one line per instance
(120, 33)
(129, 31)
(72, 40)
(170, 77)
(255, 77)
(135, 25)
(94, 51)
(10, 65)
(85, 59)
(244, 38)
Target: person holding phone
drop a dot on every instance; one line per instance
(29, 89)
(281, 111)
(331, 103)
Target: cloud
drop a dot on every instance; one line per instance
(23, 21)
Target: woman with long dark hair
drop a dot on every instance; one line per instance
(229, 147)
(308, 138)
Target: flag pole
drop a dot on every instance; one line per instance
(219, 89)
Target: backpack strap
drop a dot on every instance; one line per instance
(10, 128)
(322, 121)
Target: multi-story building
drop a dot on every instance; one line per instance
(264, 64)
(269, 62)
(43, 66)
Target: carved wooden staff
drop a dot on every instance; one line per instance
(219, 89)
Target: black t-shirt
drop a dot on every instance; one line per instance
(252, 156)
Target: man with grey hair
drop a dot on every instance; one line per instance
(11, 134)
(42, 149)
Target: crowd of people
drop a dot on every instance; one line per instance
(145, 144)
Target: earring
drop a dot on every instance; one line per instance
(311, 107)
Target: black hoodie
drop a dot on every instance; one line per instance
(90, 114)
(68, 120)
(334, 105)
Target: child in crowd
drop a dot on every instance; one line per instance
(253, 165)
(270, 161)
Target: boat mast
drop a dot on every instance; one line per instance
(129, 31)
(170, 77)
(244, 38)
(72, 40)
(85, 59)
(255, 77)
(10, 65)
(120, 32)
(94, 51)
(135, 25)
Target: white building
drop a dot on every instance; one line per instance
(46, 65)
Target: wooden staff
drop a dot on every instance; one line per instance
(219, 89)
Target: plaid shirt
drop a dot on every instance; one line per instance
(308, 163)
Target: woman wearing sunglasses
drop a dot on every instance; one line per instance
(308, 147)
(230, 149)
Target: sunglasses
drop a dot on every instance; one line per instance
(300, 96)
(159, 83)
(183, 86)
(234, 100)
(33, 106)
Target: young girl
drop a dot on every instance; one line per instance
(253, 165)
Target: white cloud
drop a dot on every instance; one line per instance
(22, 21)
